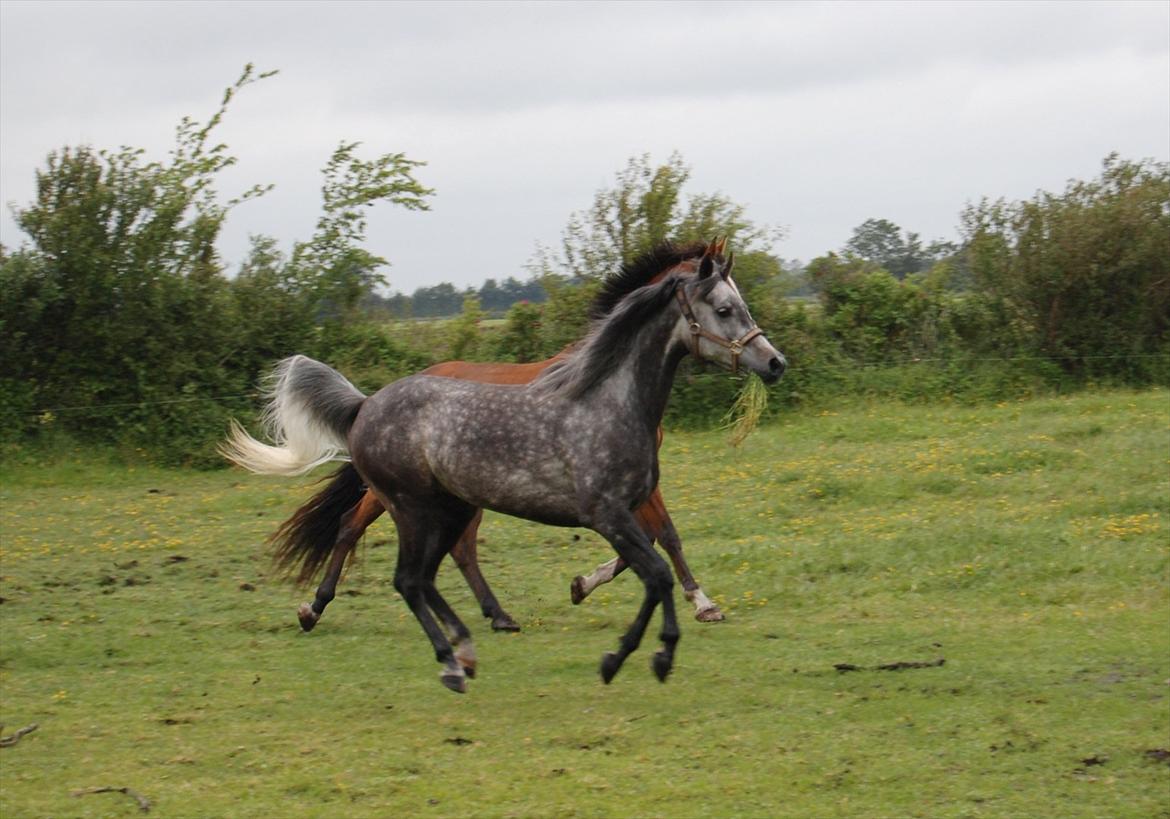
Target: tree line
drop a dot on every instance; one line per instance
(119, 323)
(445, 299)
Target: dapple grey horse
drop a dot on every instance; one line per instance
(575, 447)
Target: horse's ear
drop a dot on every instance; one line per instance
(726, 271)
(706, 265)
(720, 245)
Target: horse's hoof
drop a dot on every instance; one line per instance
(502, 622)
(465, 656)
(456, 682)
(711, 614)
(577, 591)
(610, 663)
(661, 663)
(307, 616)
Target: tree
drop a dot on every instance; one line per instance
(438, 300)
(520, 340)
(882, 242)
(645, 207)
(119, 304)
(124, 274)
(332, 262)
(1086, 273)
(465, 329)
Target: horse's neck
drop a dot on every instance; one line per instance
(640, 386)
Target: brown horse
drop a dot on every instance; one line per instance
(651, 516)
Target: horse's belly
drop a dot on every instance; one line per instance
(541, 492)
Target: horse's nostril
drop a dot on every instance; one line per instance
(777, 365)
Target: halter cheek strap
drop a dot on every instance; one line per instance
(736, 346)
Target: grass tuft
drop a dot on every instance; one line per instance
(747, 409)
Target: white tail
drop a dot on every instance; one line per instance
(310, 409)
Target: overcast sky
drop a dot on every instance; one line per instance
(815, 116)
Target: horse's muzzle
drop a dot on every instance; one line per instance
(776, 367)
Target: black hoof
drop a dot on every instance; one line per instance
(661, 663)
(502, 622)
(577, 590)
(456, 682)
(610, 663)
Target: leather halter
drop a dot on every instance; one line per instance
(735, 345)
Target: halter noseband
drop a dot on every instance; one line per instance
(735, 345)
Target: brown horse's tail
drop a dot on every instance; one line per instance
(307, 538)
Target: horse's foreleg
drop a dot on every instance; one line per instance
(466, 557)
(656, 522)
(634, 547)
(353, 525)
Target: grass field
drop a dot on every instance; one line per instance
(1025, 544)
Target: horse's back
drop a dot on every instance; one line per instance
(490, 372)
(482, 443)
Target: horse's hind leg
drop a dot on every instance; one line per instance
(466, 557)
(457, 632)
(353, 524)
(424, 538)
(656, 523)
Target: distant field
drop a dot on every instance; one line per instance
(1025, 545)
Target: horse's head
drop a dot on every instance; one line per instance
(715, 323)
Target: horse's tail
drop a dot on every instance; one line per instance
(310, 410)
(308, 536)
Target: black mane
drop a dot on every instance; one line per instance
(608, 342)
(640, 272)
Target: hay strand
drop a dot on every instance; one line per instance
(746, 410)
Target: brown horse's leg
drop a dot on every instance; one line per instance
(353, 525)
(584, 585)
(466, 557)
(656, 523)
(654, 518)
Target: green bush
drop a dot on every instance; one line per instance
(521, 338)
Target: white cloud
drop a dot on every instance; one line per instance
(815, 115)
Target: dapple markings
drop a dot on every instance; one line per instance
(334, 547)
(575, 447)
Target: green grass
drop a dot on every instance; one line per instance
(1025, 543)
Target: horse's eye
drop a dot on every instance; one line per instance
(723, 312)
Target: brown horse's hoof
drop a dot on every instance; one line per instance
(661, 663)
(307, 616)
(456, 682)
(502, 622)
(577, 590)
(711, 614)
